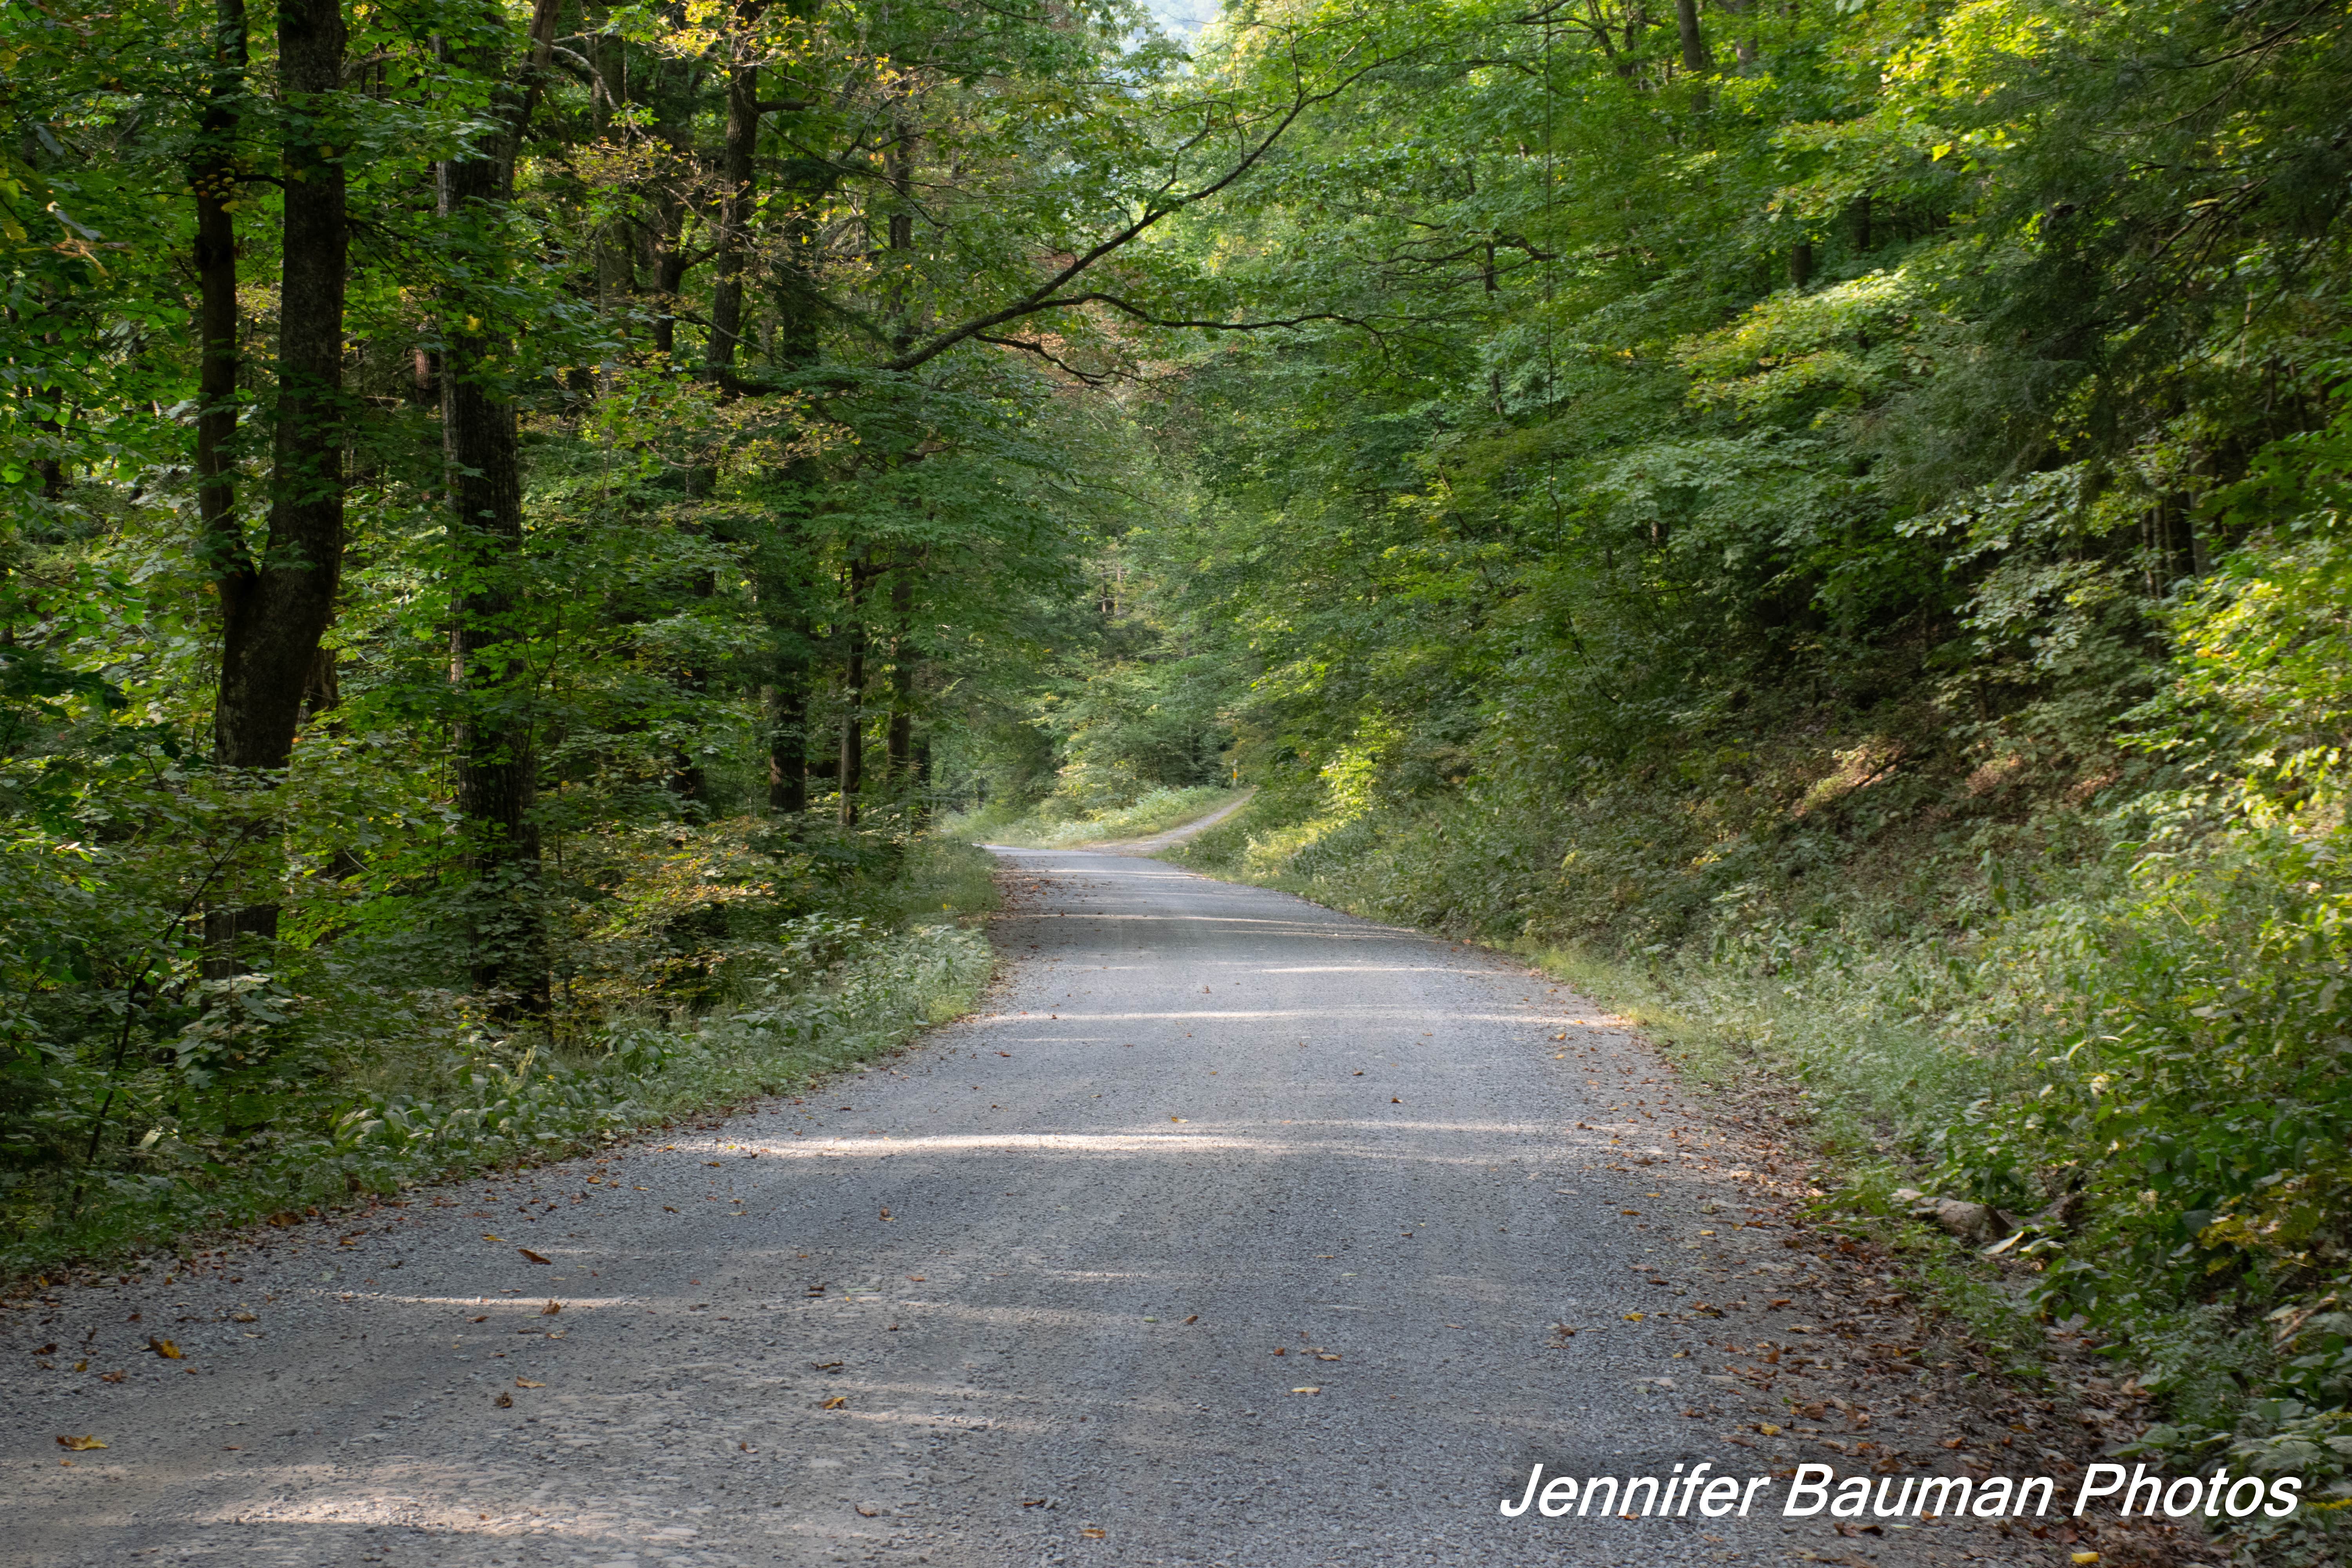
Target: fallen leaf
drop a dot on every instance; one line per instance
(551, 1308)
(532, 1257)
(1194, 1318)
(110, 1377)
(886, 1214)
(666, 1209)
(526, 1383)
(1092, 1534)
(1316, 1390)
(865, 1512)
(82, 1365)
(1633, 1317)
(46, 1350)
(163, 1348)
(81, 1444)
(243, 1318)
(490, 1238)
(504, 1401)
(285, 1217)
(483, 1319)
(1954, 1443)
(838, 1402)
(2085, 1557)
(1325, 1355)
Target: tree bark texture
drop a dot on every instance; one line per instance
(1695, 58)
(275, 609)
(495, 766)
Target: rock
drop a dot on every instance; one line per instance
(1969, 1222)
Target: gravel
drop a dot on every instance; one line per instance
(1013, 1296)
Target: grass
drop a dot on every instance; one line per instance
(842, 990)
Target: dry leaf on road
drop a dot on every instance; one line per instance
(526, 1383)
(504, 1401)
(533, 1256)
(838, 1402)
(81, 1444)
(163, 1348)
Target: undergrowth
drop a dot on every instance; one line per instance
(450, 1096)
(2122, 1022)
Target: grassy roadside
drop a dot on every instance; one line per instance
(838, 991)
(1036, 828)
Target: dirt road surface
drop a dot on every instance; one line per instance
(1230, 1230)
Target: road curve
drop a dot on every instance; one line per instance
(1232, 1230)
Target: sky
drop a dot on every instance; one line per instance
(1182, 16)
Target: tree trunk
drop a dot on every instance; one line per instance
(899, 745)
(274, 610)
(852, 772)
(735, 195)
(1695, 58)
(786, 703)
(496, 768)
(213, 177)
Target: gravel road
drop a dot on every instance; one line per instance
(1231, 1230)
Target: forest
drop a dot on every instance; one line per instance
(536, 535)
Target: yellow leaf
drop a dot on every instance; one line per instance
(838, 1402)
(1768, 1429)
(492, 1239)
(533, 1256)
(1091, 1534)
(1633, 1317)
(81, 1444)
(1316, 1390)
(551, 1308)
(163, 1348)
(526, 1383)
(2085, 1557)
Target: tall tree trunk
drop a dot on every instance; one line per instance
(496, 767)
(274, 610)
(898, 744)
(735, 195)
(786, 705)
(782, 560)
(852, 771)
(213, 178)
(1695, 58)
